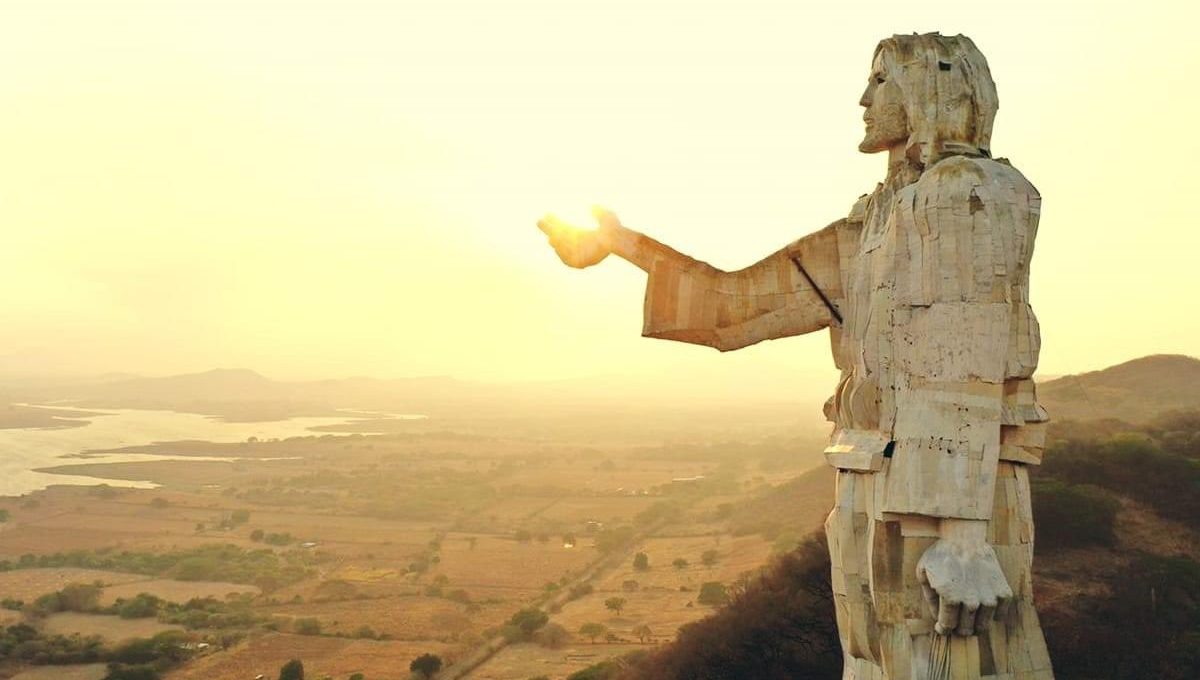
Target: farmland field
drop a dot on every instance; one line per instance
(111, 628)
(405, 545)
(321, 655)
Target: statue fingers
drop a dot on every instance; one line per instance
(947, 618)
(1004, 606)
(966, 619)
(931, 599)
(984, 618)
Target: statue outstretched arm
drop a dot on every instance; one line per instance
(691, 301)
(970, 226)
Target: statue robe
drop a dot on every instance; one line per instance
(935, 415)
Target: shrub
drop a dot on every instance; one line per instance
(292, 670)
(551, 635)
(426, 664)
(1073, 515)
(307, 626)
(136, 672)
(527, 621)
(713, 593)
(641, 562)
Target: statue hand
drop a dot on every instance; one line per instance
(962, 582)
(577, 247)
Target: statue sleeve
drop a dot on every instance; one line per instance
(691, 301)
(962, 270)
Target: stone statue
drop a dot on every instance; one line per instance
(924, 288)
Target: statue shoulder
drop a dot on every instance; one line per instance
(957, 177)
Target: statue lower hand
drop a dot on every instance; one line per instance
(577, 247)
(962, 580)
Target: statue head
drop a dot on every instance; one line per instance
(932, 94)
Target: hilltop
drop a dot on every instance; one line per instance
(1134, 391)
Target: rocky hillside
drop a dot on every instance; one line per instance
(1134, 391)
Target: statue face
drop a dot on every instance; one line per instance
(887, 122)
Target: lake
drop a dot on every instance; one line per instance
(23, 450)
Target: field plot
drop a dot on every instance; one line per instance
(111, 628)
(609, 509)
(505, 562)
(322, 656)
(9, 617)
(516, 510)
(30, 584)
(734, 556)
(403, 618)
(173, 591)
(25, 538)
(664, 611)
(87, 671)
(516, 662)
(592, 476)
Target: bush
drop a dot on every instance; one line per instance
(1073, 515)
(292, 670)
(527, 621)
(426, 664)
(137, 672)
(551, 635)
(641, 562)
(307, 626)
(142, 606)
(713, 593)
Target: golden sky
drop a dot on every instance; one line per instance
(327, 188)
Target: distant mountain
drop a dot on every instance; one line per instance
(1134, 391)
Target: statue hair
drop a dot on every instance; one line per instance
(949, 96)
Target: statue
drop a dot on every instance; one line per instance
(924, 288)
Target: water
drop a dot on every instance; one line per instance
(24, 449)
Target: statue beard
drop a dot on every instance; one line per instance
(886, 130)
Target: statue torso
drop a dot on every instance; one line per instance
(902, 259)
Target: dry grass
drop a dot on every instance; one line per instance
(403, 618)
(608, 509)
(29, 584)
(735, 555)
(516, 662)
(504, 562)
(111, 628)
(174, 591)
(89, 671)
(321, 656)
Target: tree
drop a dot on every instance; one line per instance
(709, 557)
(641, 562)
(426, 665)
(551, 635)
(615, 604)
(679, 563)
(642, 632)
(256, 535)
(307, 626)
(240, 516)
(527, 621)
(593, 630)
(713, 593)
(292, 670)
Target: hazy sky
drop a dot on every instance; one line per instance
(326, 188)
